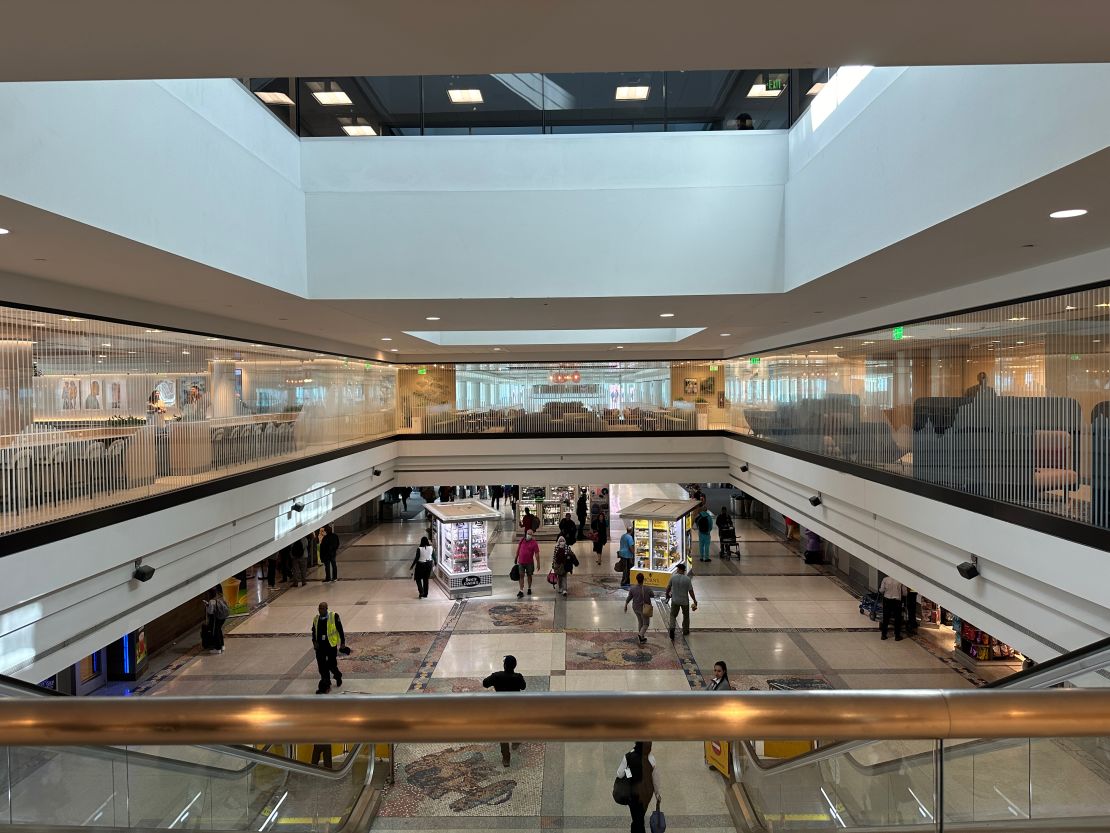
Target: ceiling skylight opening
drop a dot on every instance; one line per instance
(276, 99)
(633, 93)
(465, 96)
(329, 93)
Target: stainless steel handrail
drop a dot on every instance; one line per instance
(873, 715)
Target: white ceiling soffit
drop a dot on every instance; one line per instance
(76, 39)
(470, 338)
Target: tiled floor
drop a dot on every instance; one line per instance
(772, 618)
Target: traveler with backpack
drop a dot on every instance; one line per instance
(529, 521)
(216, 612)
(637, 781)
(704, 524)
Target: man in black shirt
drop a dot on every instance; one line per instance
(327, 636)
(507, 680)
(568, 529)
(329, 548)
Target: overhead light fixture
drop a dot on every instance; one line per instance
(280, 99)
(394, 350)
(725, 335)
(105, 344)
(1019, 342)
(149, 331)
(211, 338)
(465, 96)
(633, 93)
(184, 352)
(69, 319)
(131, 352)
(329, 94)
(816, 88)
(102, 356)
(496, 349)
(1068, 213)
(1019, 318)
(1102, 305)
(620, 346)
(4, 231)
(431, 318)
(666, 315)
(1069, 306)
(838, 347)
(360, 127)
(953, 329)
(869, 342)
(386, 338)
(767, 86)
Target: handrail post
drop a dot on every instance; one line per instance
(938, 785)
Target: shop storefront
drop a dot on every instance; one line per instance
(462, 532)
(662, 532)
(551, 503)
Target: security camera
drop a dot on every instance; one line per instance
(377, 472)
(297, 507)
(969, 569)
(143, 572)
(744, 467)
(815, 500)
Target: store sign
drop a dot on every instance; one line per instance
(471, 581)
(898, 333)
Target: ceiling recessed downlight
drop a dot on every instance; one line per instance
(620, 346)
(1068, 213)
(431, 318)
(4, 231)
(386, 338)
(359, 127)
(275, 98)
(394, 350)
(725, 335)
(633, 93)
(332, 98)
(666, 315)
(497, 349)
(465, 96)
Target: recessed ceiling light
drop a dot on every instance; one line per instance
(33, 324)
(869, 342)
(635, 93)
(838, 347)
(725, 335)
(666, 315)
(105, 344)
(131, 352)
(465, 96)
(211, 338)
(332, 98)
(4, 231)
(359, 130)
(102, 356)
(432, 318)
(275, 98)
(761, 91)
(184, 352)
(1068, 213)
(1019, 342)
(1019, 318)
(496, 349)
(1096, 340)
(66, 318)
(1102, 305)
(100, 361)
(386, 338)
(393, 350)
(1069, 306)
(620, 346)
(953, 329)
(149, 331)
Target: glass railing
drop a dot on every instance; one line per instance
(938, 784)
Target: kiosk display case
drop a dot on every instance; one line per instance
(550, 504)
(662, 530)
(462, 533)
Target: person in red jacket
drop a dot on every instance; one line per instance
(527, 554)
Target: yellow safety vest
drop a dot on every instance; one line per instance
(333, 634)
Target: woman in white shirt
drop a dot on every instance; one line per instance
(639, 765)
(422, 566)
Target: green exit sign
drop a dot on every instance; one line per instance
(774, 82)
(422, 371)
(713, 368)
(898, 333)
(753, 360)
(1074, 357)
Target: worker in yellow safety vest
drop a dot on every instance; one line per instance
(327, 637)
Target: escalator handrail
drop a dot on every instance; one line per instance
(11, 687)
(1090, 658)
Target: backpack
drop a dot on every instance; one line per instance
(623, 784)
(703, 524)
(222, 610)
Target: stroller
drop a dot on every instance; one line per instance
(871, 605)
(727, 536)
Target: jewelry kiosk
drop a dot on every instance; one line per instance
(662, 532)
(462, 531)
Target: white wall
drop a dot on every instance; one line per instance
(537, 216)
(62, 601)
(915, 146)
(196, 168)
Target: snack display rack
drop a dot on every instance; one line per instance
(463, 532)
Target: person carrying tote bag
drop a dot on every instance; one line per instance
(422, 566)
(638, 779)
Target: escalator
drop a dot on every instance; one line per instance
(211, 787)
(970, 784)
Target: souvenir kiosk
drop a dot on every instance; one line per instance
(462, 531)
(662, 531)
(550, 504)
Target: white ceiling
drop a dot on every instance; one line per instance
(60, 264)
(78, 39)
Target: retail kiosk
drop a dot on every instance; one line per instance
(462, 531)
(550, 504)
(662, 531)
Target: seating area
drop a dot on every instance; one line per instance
(558, 418)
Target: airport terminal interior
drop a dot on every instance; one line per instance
(423, 419)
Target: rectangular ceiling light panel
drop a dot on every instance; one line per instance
(275, 98)
(761, 91)
(633, 93)
(465, 96)
(332, 98)
(359, 130)
(477, 338)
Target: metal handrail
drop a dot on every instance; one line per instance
(871, 715)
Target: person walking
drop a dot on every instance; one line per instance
(513, 493)
(680, 590)
(329, 549)
(405, 492)
(507, 680)
(285, 560)
(527, 554)
(640, 596)
(704, 524)
(422, 567)
(600, 527)
(639, 766)
(300, 563)
(580, 510)
(719, 681)
(568, 529)
(215, 614)
(529, 521)
(560, 564)
(910, 600)
(627, 555)
(271, 570)
(495, 495)
(327, 639)
(892, 593)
